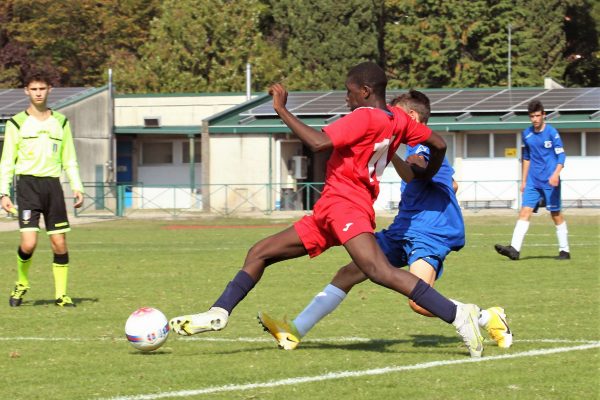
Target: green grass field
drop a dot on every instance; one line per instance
(372, 347)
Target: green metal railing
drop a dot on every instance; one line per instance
(129, 199)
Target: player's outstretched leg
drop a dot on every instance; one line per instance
(497, 327)
(508, 251)
(285, 333)
(466, 323)
(214, 319)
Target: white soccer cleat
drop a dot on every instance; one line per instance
(214, 319)
(466, 323)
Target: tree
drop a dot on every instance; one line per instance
(321, 40)
(582, 50)
(201, 45)
(76, 38)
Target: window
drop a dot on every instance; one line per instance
(478, 145)
(185, 157)
(505, 145)
(449, 139)
(592, 144)
(157, 153)
(571, 143)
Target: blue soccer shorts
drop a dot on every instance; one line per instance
(531, 197)
(401, 252)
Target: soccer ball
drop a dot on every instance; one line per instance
(147, 329)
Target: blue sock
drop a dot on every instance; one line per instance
(431, 300)
(235, 291)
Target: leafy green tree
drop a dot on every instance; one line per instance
(77, 37)
(321, 40)
(204, 45)
(201, 45)
(582, 51)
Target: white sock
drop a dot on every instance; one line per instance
(521, 228)
(321, 305)
(484, 318)
(561, 234)
(484, 315)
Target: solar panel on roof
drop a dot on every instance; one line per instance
(571, 99)
(461, 100)
(13, 101)
(448, 101)
(588, 99)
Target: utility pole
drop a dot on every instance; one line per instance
(509, 65)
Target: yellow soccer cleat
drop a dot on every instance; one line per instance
(497, 327)
(214, 319)
(64, 301)
(285, 334)
(16, 296)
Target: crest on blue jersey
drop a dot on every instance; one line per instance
(548, 144)
(422, 149)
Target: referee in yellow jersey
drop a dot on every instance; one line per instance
(38, 145)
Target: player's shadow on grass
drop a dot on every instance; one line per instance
(538, 258)
(434, 340)
(77, 301)
(383, 345)
(150, 353)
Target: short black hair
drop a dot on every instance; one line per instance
(416, 101)
(535, 106)
(38, 75)
(369, 74)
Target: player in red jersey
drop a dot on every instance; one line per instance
(363, 143)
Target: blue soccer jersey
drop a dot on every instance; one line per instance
(428, 209)
(545, 151)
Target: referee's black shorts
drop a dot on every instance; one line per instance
(41, 196)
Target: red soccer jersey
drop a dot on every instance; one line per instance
(364, 143)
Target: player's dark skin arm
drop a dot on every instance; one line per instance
(317, 141)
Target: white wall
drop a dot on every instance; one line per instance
(488, 179)
(498, 179)
(172, 110)
(241, 162)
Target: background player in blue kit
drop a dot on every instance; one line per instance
(543, 160)
(429, 225)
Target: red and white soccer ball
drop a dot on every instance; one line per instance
(147, 329)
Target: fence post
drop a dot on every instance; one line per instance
(120, 200)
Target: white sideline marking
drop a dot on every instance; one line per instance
(350, 374)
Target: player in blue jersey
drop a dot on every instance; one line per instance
(543, 160)
(429, 225)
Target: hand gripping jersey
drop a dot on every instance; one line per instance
(545, 151)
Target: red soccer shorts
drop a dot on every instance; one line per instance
(332, 226)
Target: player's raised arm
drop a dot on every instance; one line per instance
(437, 152)
(316, 140)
